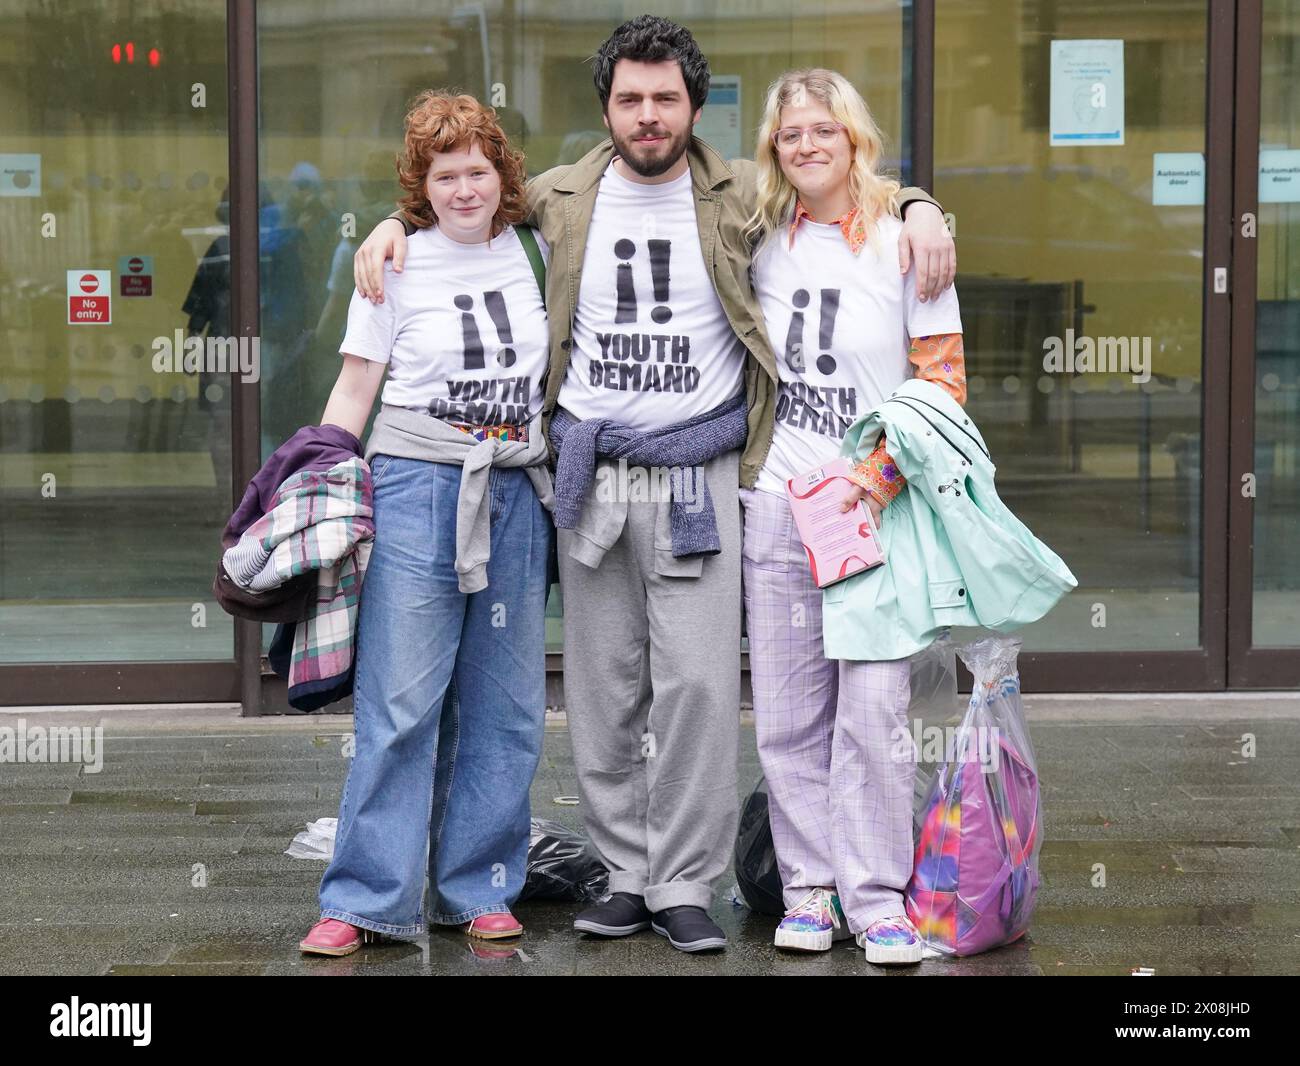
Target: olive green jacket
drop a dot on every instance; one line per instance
(561, 202)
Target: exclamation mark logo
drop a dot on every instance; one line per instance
(469, 333)
(660, 256)
(496, 307)
(624, 287)
(825, 331)
(794, 337)
(830, 308)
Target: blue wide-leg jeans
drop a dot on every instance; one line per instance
(449, 699)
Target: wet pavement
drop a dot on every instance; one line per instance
(170, 860)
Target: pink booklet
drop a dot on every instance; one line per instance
(839, 543)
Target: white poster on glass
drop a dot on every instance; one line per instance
(1087, 93)
(720, 119)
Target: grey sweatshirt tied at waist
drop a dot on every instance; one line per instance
(578, 444)
(411, 434)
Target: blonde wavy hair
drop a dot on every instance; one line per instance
(873, 192)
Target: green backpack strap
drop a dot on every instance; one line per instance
(529, 240)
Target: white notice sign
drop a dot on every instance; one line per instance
(1178, 178)
(20, 174)
(1279, 175)
(720, 117)
(1087, 93)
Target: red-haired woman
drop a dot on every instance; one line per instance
(449, 690)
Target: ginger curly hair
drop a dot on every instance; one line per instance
(440, 121)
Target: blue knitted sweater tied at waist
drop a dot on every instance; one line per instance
(579, 443)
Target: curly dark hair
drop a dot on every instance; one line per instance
(651, 39)
(440, 121)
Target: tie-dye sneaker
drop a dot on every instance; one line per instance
(891, 940)
(813, 923)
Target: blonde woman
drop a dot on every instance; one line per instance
(847, 328)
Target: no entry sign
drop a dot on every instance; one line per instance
(89, 297)
(135, 275)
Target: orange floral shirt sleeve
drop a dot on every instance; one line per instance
(941, 359)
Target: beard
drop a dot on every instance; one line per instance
(650, 163)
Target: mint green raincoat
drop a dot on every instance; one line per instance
(954, 554)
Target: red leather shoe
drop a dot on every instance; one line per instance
(494, 926)
(329, 936)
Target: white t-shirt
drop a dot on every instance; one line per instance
(651, 342)
(462, 329)
(840, 326)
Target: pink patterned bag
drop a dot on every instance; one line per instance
(975, 873)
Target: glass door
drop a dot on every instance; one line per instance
(1264, 610)
(115, 437)
(1070, 147)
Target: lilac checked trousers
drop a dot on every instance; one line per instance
(833, 735)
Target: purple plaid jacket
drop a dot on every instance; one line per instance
(308, 519)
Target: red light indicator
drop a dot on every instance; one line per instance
(155, 57)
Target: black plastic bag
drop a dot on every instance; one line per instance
(562, 865)
(757, 876)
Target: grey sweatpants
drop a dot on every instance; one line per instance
(652, 690)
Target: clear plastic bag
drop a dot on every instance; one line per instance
(934, 699)
(978, 830)
(316, 841)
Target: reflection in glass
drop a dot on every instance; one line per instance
(1063, 248)
(114, 458)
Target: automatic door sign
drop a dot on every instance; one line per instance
(20, 174)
